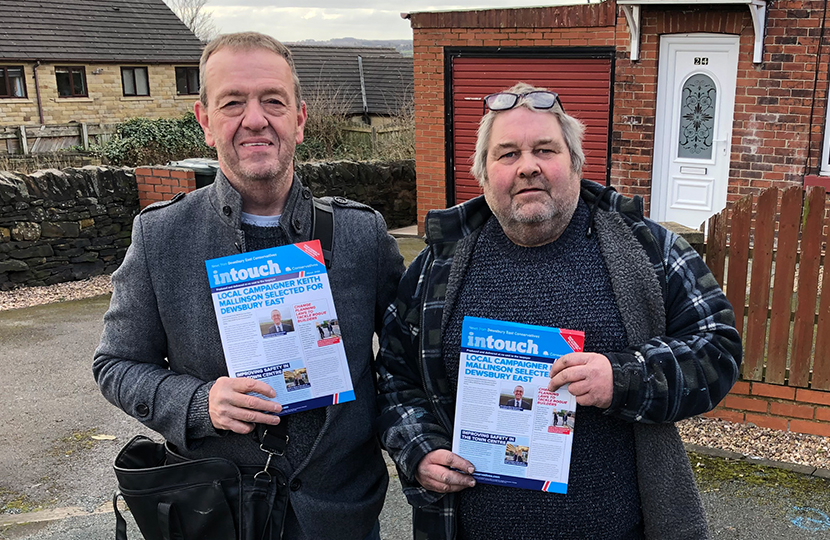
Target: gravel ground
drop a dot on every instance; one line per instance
(746, 439)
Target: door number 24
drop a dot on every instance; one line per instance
(701, 61)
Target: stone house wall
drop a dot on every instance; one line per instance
(105, 103)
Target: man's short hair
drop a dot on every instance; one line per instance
(572, 132)
(247, 41)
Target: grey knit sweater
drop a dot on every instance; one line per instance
(563, 284)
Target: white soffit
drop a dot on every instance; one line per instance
(632, 9)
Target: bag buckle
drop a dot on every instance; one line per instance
(273, 445)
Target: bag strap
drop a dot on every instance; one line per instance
(168, 515)
(273, 440)
(322, 226)
(120, 522)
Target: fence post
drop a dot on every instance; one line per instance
(24, 144)
(85, 136)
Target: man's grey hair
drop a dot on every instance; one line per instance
(572, 132)
(247, 41)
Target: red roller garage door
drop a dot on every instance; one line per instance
(583, 84)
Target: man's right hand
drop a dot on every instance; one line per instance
(233, 408)
(435, 472)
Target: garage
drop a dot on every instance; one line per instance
(581, 76)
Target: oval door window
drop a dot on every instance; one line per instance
(697, 118)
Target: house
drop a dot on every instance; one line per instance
(689, 104)
(369, 84)
(101, 61)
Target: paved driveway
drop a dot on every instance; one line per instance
(55, 469)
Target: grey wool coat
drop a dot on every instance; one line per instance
(161, 344)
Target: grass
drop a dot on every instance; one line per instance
(76, 441)
(712, 472)
(12, 502)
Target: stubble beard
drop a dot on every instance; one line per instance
(528, 228)
(256, 182)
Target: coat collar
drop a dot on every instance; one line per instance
(295, 220)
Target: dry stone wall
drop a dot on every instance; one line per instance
(65, 225)
(389, 188)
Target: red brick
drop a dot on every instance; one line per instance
(792, 410)
(143, 171)
(749, 404)
(773, 390)
(161, 173)
(812, 428)
(152, 180)
(772, 422)
(823, 413)
(182, 174)
(813, 396)
(730, 416)
(164, 189)
(741, 387)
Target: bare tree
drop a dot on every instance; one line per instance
(193, 14)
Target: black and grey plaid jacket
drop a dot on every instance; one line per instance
(683, 360)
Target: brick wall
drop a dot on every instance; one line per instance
(162, 183)
(779, 108)
(106, 102)
(777, 407)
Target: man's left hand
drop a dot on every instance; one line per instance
(589, 376)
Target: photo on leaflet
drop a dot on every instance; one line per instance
(516, 397)
(329, 331)
(561, 421)
(515, 454)
(296, 379)
(275, 324)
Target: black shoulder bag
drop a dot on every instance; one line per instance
(173, 498)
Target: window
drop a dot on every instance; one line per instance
(12, 83)
(134, 81)
(187, 80)
(697, 118)
(71, 81)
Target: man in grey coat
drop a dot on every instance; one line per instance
(160, 357)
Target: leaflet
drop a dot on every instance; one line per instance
(507, 424)
(278, 324)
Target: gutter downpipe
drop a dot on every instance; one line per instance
(363, 90)
(37, 92)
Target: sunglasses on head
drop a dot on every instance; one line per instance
(538, 99)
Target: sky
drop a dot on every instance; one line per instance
(297, 20)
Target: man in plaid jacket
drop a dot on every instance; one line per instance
(542, 247)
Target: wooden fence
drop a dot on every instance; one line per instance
(777, 278)
(27, 140)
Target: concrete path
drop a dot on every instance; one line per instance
(59, 438)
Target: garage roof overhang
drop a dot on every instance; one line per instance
(757, 8)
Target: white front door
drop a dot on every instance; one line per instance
(693, 126)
